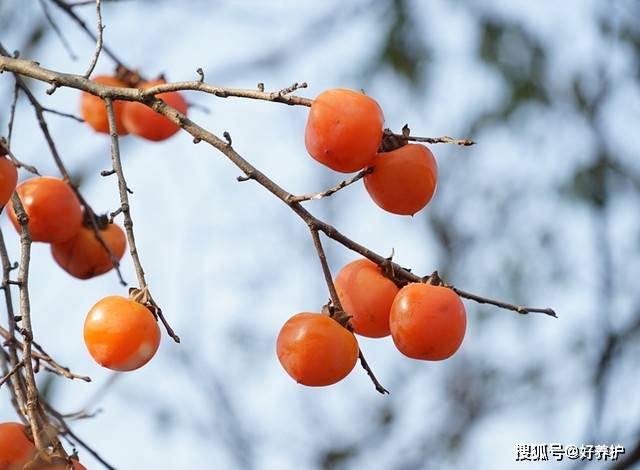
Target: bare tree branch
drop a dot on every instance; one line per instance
(100, 30)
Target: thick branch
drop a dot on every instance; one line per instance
(37, 419)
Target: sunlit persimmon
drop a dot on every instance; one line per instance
(427, 322)
(53, 208)
(316, 350)
(15, 447)
(366, 294)
(84, 257)
(94, 112)
(145, 122)
(403, 180)
(121, 334)
(8, 180)
(344, 129)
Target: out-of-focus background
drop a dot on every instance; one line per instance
(542, 211)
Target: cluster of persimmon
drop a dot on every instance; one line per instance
(427, 321)
(17, 450)
(131, 117)
(345, 130)
(120, 333)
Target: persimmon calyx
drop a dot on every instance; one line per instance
(338, 315)
(102, 220)
(130, 77)
(143, 297)
(392, 141)
(434, 279)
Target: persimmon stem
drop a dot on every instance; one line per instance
(125, 209)
(317, 243)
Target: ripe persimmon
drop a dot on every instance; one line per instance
(366, 294)
(316, 350)
(344, 129)
(53, 208)
(8, 180)
(15, 447)
(145, 122)
(94, 112)
(403, 181)
(121, 334)
(427, 322)
(84, 257)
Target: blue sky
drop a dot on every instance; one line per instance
(229, 263)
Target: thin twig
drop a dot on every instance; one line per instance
(8, 375)
(57, 30)
(332, 190)
(4, 147)
(68, 9)
(82, 3)
(326, 271)
(317, 243)
(41, 355)
(498, 303)
(439, 140)
(60, 113)
(12, 112)
(66, 430)
(100, 30)
(125, 208)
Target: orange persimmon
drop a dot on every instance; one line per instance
(8, 180)
(121, 334)
(344, 129)
(316, 350)
(84, 257)
(403, 181)
(53, 208)
(143, 121)
(94, 112)
(15, 448)
(366, 294)
(427, 322)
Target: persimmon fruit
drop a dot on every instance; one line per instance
(121, 334)
(427, 322)
(143, 121)
(404, 180)
(15, 447)
(84, 257)
(8, 180)
(94, 112)
(316, 350)
(367, 295)
(53, 208)
(344, 129)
